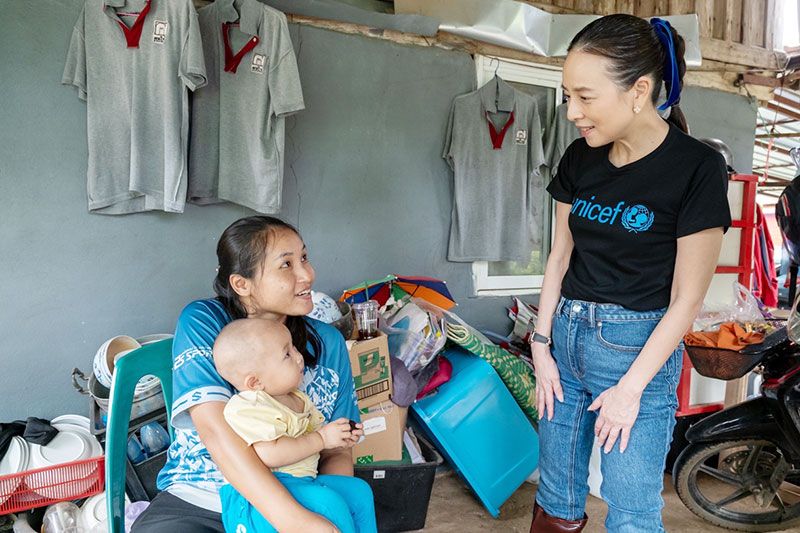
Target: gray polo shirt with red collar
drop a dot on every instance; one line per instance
(237, 139)
(494, 146)
(133, 61)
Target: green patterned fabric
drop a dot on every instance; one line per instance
(517, 376)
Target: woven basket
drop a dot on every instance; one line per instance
(720, 363)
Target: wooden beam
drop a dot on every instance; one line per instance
(776, 123)
(778, 135)
(773, 31)
(779, 98)
(778, 149)
(783, 110)
(740, 54)
(733, 21)
(605, 7)
(645, 8)
(753, 22)
(719, 19)
(780, 165)
(625, 6)
(764, 81)
(773, 181)
(719, 76)
(681, 7)
(705, 17)
(584, 6)
(725, 81)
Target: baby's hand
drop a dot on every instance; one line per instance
(337, 434)
(356, 432)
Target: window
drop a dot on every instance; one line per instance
(543, 83)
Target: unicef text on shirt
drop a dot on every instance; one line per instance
(635, 218)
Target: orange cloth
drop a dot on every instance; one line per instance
(731, 336)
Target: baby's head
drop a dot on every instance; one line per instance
(257, 354)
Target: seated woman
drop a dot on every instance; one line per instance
(263, 272)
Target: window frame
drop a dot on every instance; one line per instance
(513, 70)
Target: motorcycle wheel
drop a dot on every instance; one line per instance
(736, 492)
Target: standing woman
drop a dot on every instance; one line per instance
(263, 272)
(641, 210)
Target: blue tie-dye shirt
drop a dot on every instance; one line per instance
(189, 468)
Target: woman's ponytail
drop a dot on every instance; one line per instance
(676, 115)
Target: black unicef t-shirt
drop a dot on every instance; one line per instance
(625, 221)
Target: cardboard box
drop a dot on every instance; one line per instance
(372, 370)
(384, 425)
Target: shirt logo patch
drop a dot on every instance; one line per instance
(521, 137)
(160, 28)
(637, 218)
(259, 61)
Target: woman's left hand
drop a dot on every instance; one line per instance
(618, 409)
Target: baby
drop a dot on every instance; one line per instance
(285, 429)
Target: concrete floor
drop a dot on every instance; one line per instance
(453, 508)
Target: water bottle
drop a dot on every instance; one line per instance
(136, 452)
(155, 438)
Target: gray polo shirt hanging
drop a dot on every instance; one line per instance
(133, 61)
(237, 140)
(494, 146)
(560, 134)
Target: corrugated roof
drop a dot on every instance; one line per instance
(778, 124)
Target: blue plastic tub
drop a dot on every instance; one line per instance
(480, 430)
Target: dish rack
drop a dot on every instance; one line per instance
(57, 483)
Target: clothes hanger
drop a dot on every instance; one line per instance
(496, 79)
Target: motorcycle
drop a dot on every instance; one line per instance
(741, 469)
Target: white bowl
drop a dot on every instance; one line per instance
(94, 513)
(103, 363)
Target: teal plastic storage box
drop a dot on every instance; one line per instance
(480, 430)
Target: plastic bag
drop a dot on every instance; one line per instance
(414, 331)
(745, 309)
(524, 317)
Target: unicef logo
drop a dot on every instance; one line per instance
(637, 218)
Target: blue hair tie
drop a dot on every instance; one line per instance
(671, 73)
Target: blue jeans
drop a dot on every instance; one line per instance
(594, 345)
(346, 502)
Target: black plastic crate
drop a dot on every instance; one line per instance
(402, 492)
(140, 478)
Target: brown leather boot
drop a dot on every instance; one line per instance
(544, 523)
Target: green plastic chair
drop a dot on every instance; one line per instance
(155, 359)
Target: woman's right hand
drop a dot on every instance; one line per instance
(336, 434)
(548, 381)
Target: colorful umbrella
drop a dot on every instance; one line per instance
(429, 289)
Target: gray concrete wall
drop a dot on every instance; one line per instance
(365, 183)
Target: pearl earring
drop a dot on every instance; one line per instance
(636, 109)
